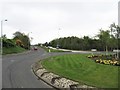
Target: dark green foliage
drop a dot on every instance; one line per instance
(107, 40)
(24, 39)
(75, 43)
(12, 50)
(10, 47)
(8, 43)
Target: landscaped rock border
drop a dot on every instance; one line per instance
(57, 81)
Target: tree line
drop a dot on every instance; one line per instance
(104, 40)
(19, 39)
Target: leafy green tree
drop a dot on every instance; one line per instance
(104, 37)
(116, 29)
(106, 40)
(8, 43)
(25, 41)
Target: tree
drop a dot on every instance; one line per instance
(8, 43)
(104, 37)
(106, 40)
(22, 39)
(4, 36)
(19, 43)
(117, 36)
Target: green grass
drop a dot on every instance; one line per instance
(84, 70)
(51, 50)
(13, 50)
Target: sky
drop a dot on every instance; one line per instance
(45, 20)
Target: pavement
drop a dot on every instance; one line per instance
(17, 71)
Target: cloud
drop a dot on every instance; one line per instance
(44, 19)
(60, 1)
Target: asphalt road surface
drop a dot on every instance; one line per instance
(17, 73)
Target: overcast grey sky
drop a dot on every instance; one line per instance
(44, 17)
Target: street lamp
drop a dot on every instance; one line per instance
(118, 32)
(2, 34)
(58, 39)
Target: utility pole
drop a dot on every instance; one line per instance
(118, 31)
(1, 44)
(58, 39)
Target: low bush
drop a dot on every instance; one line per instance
(105, 59)
(108, 62)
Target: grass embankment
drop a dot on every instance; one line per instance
(51, 50)
(84, 70)
(11, 50)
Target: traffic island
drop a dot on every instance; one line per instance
(56, 80)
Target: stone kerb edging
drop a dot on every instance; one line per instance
(55, 80)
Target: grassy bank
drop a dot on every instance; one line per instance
(51, 50)
(84, 70)
(13, 50)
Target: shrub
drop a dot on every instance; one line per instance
(97, 61)
(108, 62)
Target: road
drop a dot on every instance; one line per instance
(17, 73)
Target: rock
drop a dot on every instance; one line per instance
(56, 80)
(40, 72)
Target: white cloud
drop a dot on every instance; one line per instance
(60, 1)
(44, 19)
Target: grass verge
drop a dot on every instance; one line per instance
(51, 50)
(12, 50)
(84, 70)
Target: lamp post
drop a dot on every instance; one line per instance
(118, 32)
(58, 39)
(1, 44)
